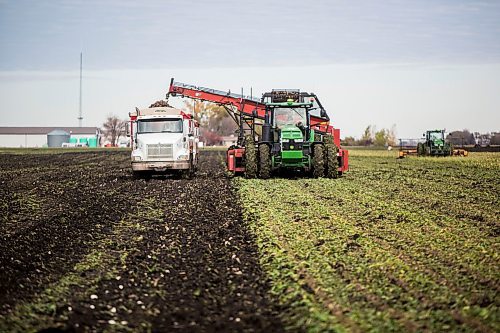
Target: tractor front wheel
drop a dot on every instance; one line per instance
(332, 162)
(250, 157)
(264, 161)
(318, 161)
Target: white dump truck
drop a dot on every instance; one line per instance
(163, 140)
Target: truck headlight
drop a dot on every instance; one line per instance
(136, 158)
(183, 157)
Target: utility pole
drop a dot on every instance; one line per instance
(80, 115)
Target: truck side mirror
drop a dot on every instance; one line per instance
(127, 129)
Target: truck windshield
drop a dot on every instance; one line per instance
(159, 126)
(289, 116)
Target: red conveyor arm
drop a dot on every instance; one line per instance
(243, 104)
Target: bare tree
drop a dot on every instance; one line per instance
(113, 128)
(368, 136)
(391, 136)
(460, 138)
(213, 119)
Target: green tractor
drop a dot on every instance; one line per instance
(289, 141)
(434, 144)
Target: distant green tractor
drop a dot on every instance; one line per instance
(434, 145)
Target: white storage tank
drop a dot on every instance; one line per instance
(56, 138)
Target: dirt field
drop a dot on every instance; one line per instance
(85, 247)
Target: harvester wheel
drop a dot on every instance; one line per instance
(332, 162)
(264, 161)
(450, 147)
(250, 157)
(420, 149)
(318, 161)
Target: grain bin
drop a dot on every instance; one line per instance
(56, 138)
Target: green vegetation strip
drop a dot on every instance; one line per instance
(395, 245)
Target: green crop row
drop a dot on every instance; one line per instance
(395, 245)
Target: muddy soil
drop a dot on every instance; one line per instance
(161, 255)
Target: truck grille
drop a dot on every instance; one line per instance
(160, 151)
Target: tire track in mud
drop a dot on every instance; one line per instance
(194, 267)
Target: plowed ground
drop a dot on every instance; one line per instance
(85, 247)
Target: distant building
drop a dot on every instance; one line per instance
(37, 136)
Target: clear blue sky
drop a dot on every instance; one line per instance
(371, 61)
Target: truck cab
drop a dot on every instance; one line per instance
(163, 140)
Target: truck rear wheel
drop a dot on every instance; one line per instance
(332, 162)
(250, 158)
(264, 161)
(189, 173)
(318, 161)
(142, 174)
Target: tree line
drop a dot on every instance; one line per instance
(373, 137)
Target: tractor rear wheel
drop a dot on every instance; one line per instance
(332, 162)
(250, 157)
(318, 161)
(264, 161)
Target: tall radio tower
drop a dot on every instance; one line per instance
(80, 115)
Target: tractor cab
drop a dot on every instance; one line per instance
(288, 114)
(435, 137)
